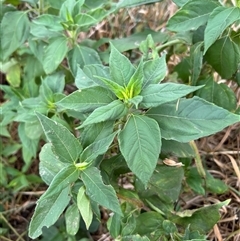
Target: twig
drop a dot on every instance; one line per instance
(11, 227)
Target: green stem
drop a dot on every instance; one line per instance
(170, 43)
(198, 160)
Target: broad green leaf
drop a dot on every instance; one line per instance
(33, 68)
(65, 146)
(54, 54)
(134, 86)
(194, 180)
(41, 32)
(129, 225)
(97, 148)
(96, 132)
(30, 144)
(190, 119)
(64, 178)
(113, 111)
(80, 56)
(56, 82)
(219, 20)
(56, 4)
(84, 207)
(72, 218)
(219, 94)
(140, 144)
(49, 164)
(33, 129)
(82, 81)
(66, 10)
(202, 219)
(148, 222)
(99, 192)
(134, 3)
(224, 56)
(154, 71)
(48, 211)
(196, 57)
(215, 185)
(157, 94)
(136, 100)
(180, 3)
(178, 149)
(86, 100)
(191, 15)
(121, 69)
(13, 75)
(164, 186)
(84, 19)
(114, 225)
(135, 238)
(14, 31)
(51, 22)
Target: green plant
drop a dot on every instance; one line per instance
(121, 123)
(127, 114)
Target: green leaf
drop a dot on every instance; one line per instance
(202, 219)
(56, 82)
(218, 21)
(97, 148)
(134, 86)
(215, 185)
(196, 57)
(177, 148)
(84, 207)
(14, 31)
(65, 146)
(140, 144)
(80, 56)
(154, 71)
(13, 75)
(134, 3)
(157, 94)
(72, 218)
(96, 132)
(190, 119)
(148, 222)
(135, 238)
(48, 211)
(49, 164)
(114, 225)
(113, 111)
(163, 185)
(99, 192)
(191, 15)
(224, 56)
(64, 178)
(219, 94)
(121, 69)
(51, 22)
(55, 53)
(117, 89)
(86, 100)
(194, 180)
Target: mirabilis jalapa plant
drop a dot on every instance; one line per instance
(127, 119)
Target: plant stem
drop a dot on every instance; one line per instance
(11, 227)
(170, 43)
